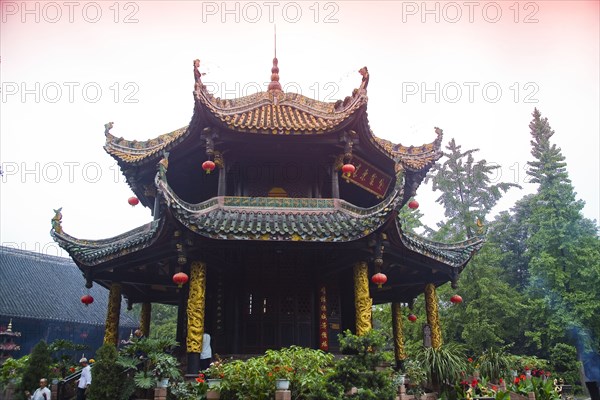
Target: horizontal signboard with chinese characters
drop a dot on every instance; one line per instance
(369, 178)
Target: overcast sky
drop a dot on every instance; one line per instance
(476, 69)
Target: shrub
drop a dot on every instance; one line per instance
(109, 379)
(563, 359)
(37, 368)
(11, 371)
(358, 368)
(255, 378)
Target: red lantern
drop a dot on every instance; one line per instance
(133, 201)
(456, 299)
(87, 299)
(348, 169)
(208, 166)
(379, 279)
(180, 278)
(413, 204)
(412, 317)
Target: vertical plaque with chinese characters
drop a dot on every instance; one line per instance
(323, 338)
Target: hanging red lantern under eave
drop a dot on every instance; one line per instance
(413, 204)
(133, 201)
(348, 169)
(180, 278)
(412, 317)
(208, 166)
(379, 279)
(456, 299)
(87, 299)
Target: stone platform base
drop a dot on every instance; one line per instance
(283, 395)
(160, 393)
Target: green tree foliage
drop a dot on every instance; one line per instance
(411, 219)
(534, 286)
(467, 191)
(38, 367)
(491, 306)
(163, 322)
(563, 247)
(491, 314)
(509, 234)
(109, 380)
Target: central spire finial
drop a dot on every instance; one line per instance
(275, 85)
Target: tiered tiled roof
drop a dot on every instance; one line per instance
(414, 158)
(453, 254)
(279, 219)
(276, 112)
(133, 151)
(92, 252)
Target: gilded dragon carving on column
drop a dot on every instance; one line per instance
(111, 330)
(362, 299)
(399, 351)
(433, 318)
(195, 307)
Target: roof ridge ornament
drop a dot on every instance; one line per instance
(198, 75)
(56, 221)
(275, 86)
(365, 78)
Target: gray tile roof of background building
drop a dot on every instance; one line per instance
(38, 286)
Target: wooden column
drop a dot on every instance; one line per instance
(195, 315)
(222, 185)
(335, 183)
(145, 316)
(181, 333)
(362, 299)
(399, 352)
(433, 317)
(111, 330)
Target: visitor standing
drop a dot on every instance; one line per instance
(206, 354)
(85, 380)
(42, 393)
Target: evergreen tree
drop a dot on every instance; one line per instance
(509, 234)
(410, 220)
(39, 367)
(563, 247)
(491, 314)
(468, 194)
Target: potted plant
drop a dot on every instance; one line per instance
(164, 367)
(151, 360)
(215, 373)
(191, 390)
(282, 375)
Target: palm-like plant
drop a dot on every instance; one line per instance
(443, 365)
(495, 363)
(150, 359)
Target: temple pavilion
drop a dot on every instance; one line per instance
(283, 213)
